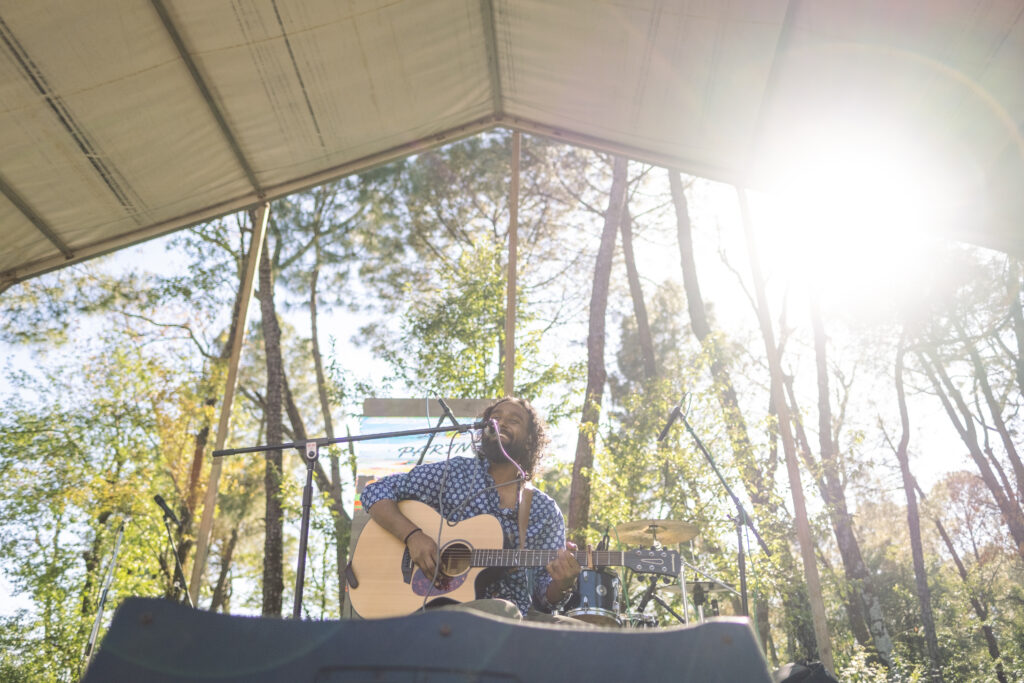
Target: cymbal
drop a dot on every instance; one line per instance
(706, 586)
(667, 531)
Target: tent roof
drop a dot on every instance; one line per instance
(126, 119)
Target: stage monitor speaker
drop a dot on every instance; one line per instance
(156, 641)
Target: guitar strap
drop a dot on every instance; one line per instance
(525, 498)
(524, 513)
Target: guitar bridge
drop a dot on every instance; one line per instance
(407, 567)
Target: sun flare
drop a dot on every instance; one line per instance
(847, 211)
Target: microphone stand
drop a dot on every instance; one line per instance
(310, 450)
(179, 574)
(447, 412)
(742, 518)
(103, 596)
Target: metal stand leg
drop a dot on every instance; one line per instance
(179, 573)
(742, 566)
(103, 597)
(311, 454)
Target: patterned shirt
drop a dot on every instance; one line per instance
(468, 493)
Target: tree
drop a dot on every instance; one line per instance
(773, 353)
(758, 478)
(867, 608)
(979, 608)
(914, 524)
(273, 558)
(84, 446)
(579, 500)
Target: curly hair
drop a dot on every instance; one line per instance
(538, 438)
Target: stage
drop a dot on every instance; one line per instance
(157, 640)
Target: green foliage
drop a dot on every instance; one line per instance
(77, 460)
(450, 339)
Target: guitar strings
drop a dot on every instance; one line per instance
(461, 506)
(463, 553)
(440, 527)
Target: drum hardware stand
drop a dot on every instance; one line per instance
(699, 599)
(742, 518)
(310, 451)
(650, 594)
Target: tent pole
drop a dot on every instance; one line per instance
(513, 247)
(259, 230)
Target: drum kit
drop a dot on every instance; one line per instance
(597, 598)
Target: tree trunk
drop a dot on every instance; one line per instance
(579, 496)
(948, 394)
(221, 590)
(636, 292)
(766, 505)
(852, 600)
(981, 376)
(273, 554)
(914, 523)
(1014, 287)
(789, 448)
(753, 476)
(830, 484)
(342, 521)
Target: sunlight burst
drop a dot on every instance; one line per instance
(851, 209)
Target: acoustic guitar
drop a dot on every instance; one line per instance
(383, 582)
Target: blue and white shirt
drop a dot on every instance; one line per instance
(468, 492)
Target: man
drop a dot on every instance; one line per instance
(490, 483)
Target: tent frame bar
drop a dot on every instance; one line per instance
(204, 91)
(259, 231)
(33, 217)
(214, 211)
(491, 45)
(513, 256)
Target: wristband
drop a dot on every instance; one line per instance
(405, 541)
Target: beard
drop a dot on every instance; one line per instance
(490, 448)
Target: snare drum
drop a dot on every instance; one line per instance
(596, 598)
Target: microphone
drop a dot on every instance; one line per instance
(672, 417)
(168, 512)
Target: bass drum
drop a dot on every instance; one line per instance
(596, 599)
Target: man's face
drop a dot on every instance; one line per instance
(513, 430)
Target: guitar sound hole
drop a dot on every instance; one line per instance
(455, 559)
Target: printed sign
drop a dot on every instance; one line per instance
(377, 458)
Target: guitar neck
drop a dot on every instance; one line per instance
(539, 558)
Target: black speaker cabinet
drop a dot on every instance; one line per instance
(156, 640)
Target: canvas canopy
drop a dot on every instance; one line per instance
(122, 120)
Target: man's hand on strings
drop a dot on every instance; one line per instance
(564, 568)
(424, 552)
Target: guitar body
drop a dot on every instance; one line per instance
(389, 586)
